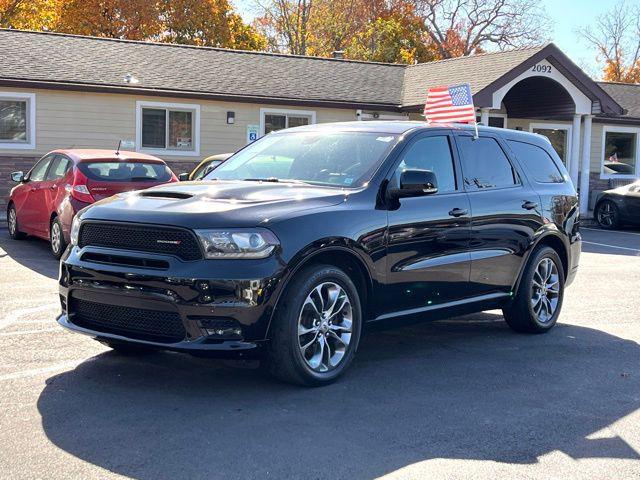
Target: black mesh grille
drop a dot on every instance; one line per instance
(167, 240)
(152, 325)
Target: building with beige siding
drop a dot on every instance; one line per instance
(184, 103)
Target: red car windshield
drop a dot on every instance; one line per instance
(125, 171)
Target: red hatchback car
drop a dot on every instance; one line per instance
(64, 181)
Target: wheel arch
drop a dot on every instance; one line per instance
(339, 256)
(550, 239)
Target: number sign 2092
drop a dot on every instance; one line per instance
(541, 68)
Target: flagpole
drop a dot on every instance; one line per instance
(476, 136)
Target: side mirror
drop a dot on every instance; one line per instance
(17, 177)
(183, 177)
(416, 183)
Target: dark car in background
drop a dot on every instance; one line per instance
(63, 182)
(205, 166)
(619, 206)
(303, 239)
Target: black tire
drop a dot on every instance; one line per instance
(522, 315)
(12, 224)
(56, 238)
(128, 349)
(285, 360)
(607, 215)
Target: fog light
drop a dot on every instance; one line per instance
(221, 328)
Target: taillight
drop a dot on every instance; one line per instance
(79, 189)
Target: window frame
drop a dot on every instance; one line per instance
(49, 157)
(455, 156)
(30, 99)
(519, 175)
(522, 163)
(619, 129)
(169, 106)
(286, 112)
(557, 126)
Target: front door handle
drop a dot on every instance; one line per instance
(53, 187)
(458, 212)
(529, 205)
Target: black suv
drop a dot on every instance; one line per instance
(299, 241)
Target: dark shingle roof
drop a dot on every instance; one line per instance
(478, 70)
(89, 63)
(626, 94)
(97, 61)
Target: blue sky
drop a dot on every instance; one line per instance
(566, 16)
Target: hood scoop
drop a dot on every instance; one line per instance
(163, 194)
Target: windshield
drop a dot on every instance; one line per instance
(125, 171)
(343, 159)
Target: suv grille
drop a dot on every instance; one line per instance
(154, 239)
(151, 325)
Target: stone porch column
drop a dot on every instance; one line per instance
(574, 162)
(585, 168)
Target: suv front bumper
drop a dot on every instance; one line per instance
(212, 306)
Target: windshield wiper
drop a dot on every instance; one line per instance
(273, 180)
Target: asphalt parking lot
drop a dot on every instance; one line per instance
(462, 398)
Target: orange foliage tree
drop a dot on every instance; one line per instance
(29, 14)
(616, 36)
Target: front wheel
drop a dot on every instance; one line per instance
(607, 215)
(12, 223)
(316, 328)
(537, 304)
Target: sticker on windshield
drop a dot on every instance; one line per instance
(348, 181)
(384, 139)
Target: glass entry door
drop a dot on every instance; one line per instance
(559, 138)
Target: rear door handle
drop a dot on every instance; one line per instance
(458, 212)
(529, 205)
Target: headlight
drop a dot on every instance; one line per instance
(237, 243)
(75, 230)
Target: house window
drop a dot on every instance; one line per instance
(166, 128)
(498, 120)
(558, 134)
(619, 152)
(272, 120)
(17, 120)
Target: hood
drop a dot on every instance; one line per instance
(215, 204)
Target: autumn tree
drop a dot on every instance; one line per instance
(285, 24)
(379, 30)
(129, 19)
(616, 36)
(463, 27)
(29, 14)
(206, 22)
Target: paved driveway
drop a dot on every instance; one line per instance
(463, 398)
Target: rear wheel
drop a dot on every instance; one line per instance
(316, 327)
(537, 304)
(58, 243)
(12, 223)
(607, 215)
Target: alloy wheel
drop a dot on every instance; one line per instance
(545, 290)
(606, 214)
(325, 327)
(56, 237)
(13, 221)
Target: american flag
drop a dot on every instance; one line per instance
(450, 104)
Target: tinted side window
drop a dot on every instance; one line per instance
(537, 162)
(40, 169)
(59, 168)
(484, 164)
(431, 153)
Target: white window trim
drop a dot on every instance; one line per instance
(495, 115)
(169, 151)
(557, 126)
(264, 111)
(617, 129)
(30, 144)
